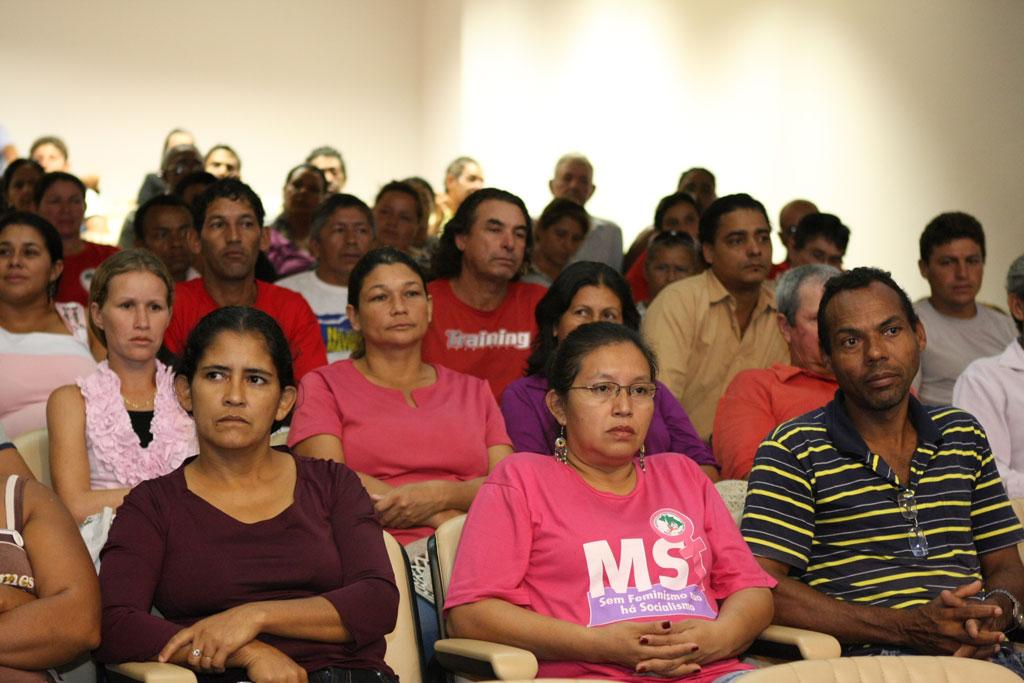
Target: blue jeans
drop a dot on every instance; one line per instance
(429, 630)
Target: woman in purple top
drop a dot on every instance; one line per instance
(587, 292)
(263, 564)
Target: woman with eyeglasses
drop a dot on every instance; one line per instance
(586, 292)
(603, 562)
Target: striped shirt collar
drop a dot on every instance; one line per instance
(847, 439)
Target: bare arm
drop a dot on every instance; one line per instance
(1002, 569)
(69, 461)
(64, 621)
(932, 628)
(416, 504)
(12, 463)
(553, 639)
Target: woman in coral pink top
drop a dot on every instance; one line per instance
(421, 437)
(122, 424)
(601, 561)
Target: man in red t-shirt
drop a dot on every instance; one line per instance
(483, 321)
(228, 236)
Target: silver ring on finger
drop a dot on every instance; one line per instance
(197, 652)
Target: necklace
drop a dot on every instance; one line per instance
(141, 405)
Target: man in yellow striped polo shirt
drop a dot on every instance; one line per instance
(884, 520)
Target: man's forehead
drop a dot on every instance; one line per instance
(169, 214)
(226, 206)
(866, 307)
(575, 167)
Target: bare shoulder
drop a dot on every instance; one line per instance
(66, 397)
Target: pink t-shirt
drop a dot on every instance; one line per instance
(446, 436)
(540, 537)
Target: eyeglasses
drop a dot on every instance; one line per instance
(605, 391)
(908, 508)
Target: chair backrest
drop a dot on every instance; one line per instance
(280, 437)
(734, 495)
(442, 549)
(1018, 507)
(34, 448)
(884, 670)
(403, 653)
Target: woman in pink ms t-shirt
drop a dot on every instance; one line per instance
(599, 562)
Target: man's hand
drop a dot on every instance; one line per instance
(952, 624)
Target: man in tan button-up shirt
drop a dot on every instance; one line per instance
(707, 328)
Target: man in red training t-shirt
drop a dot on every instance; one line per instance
(228, 236)
(483, 321)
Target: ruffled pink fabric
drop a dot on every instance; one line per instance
(116, 460)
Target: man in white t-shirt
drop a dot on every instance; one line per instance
(342, 232)
(958, 329)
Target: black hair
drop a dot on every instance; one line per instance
(49, 179)
(193, 178)
(327, 151)
(558, 299)
(668, 202)
(696, 169)
(711, 218)
(51, 238)
(584, 340)
(824, 225)
(160, 201)
(558, 209)
(332, 203)
(171, 134)
(858, 278)
(947, 227)
(226, 148)
(49, 140)
(405, 188)
(381, 256)
(226, 188)
(8, 178)
(305, 166)
(242, 320)
(447, 261)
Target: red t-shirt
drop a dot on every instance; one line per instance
(192, 303)
(491, 345)
(79, 269)
(538, 536)
(778, 269)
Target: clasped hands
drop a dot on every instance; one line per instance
(229, 639)
(662, 648)
(955, 624)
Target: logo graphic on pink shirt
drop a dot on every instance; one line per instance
(674, 587)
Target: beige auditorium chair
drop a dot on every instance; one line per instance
(403, 653)
(34, 448)
(884, 670)
(504, 662)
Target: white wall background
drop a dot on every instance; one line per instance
(885, 113)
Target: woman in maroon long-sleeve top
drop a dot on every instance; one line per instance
(267, 565)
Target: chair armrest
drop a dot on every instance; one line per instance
(810, 644)
(485, 659)
(153, 672)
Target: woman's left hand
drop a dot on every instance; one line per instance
(215, 638)
(411, 504)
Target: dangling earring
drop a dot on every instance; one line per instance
(643, 467)
(561, 448)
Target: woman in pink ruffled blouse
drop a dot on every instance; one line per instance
(122, 424)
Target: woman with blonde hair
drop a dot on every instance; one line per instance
(122, 424)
